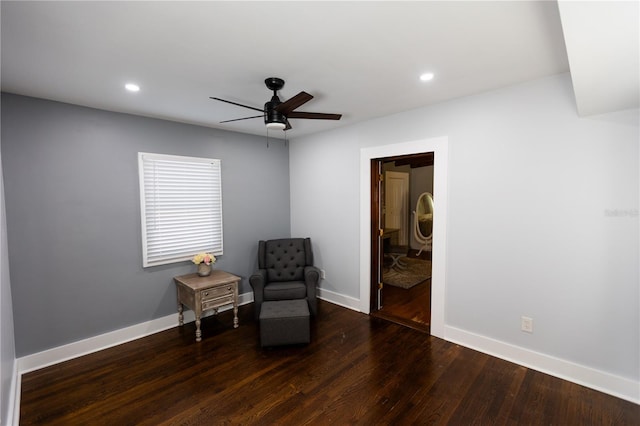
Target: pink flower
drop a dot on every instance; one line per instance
(207, 258)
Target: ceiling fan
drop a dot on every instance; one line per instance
(276, 113)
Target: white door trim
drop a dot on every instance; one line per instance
(440, 147)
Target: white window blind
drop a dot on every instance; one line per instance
(181, 207)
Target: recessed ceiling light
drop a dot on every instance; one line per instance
(132, 87)
(428, 76)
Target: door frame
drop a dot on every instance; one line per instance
(440, 147)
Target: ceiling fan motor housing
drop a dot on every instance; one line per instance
(271, 115)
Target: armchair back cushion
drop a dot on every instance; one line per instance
(285, 259)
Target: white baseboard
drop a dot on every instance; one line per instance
(13, 407)
(93, 344)
(97, 343)
(611, 384)
(339, 299)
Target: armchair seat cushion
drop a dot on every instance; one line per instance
(284, 290)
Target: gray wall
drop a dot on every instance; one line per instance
(73, 215)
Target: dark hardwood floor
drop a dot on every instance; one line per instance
(409, 307)
(356, 370)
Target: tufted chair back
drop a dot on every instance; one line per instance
(285, 259)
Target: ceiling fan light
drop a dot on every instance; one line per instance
(276, 125)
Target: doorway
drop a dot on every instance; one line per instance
(401, 291)
(440, 147)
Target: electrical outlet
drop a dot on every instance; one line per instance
(526, 324)
(322, 275)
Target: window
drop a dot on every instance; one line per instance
(180, 206)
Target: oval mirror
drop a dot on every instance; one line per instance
(423, 220)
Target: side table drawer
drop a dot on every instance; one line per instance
(216, 303)
(214, 293)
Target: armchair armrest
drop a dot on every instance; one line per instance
(258, 281)
(312, 279)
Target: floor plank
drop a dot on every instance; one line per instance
(409, 307)
(357, 370)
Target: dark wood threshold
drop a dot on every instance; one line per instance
(424, 328)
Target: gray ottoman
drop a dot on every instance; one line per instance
(284, 322)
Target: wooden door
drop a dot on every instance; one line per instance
(377, 193)
(396, 202)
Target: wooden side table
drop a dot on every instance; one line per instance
(205, 293)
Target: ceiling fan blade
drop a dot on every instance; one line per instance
(314, 115)
(235, 103)
(293, 103)
(245, 118)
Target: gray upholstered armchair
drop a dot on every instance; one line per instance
(285, 272)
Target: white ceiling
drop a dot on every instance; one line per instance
(603, 47)
(360, 59)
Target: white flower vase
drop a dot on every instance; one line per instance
(204, 270)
